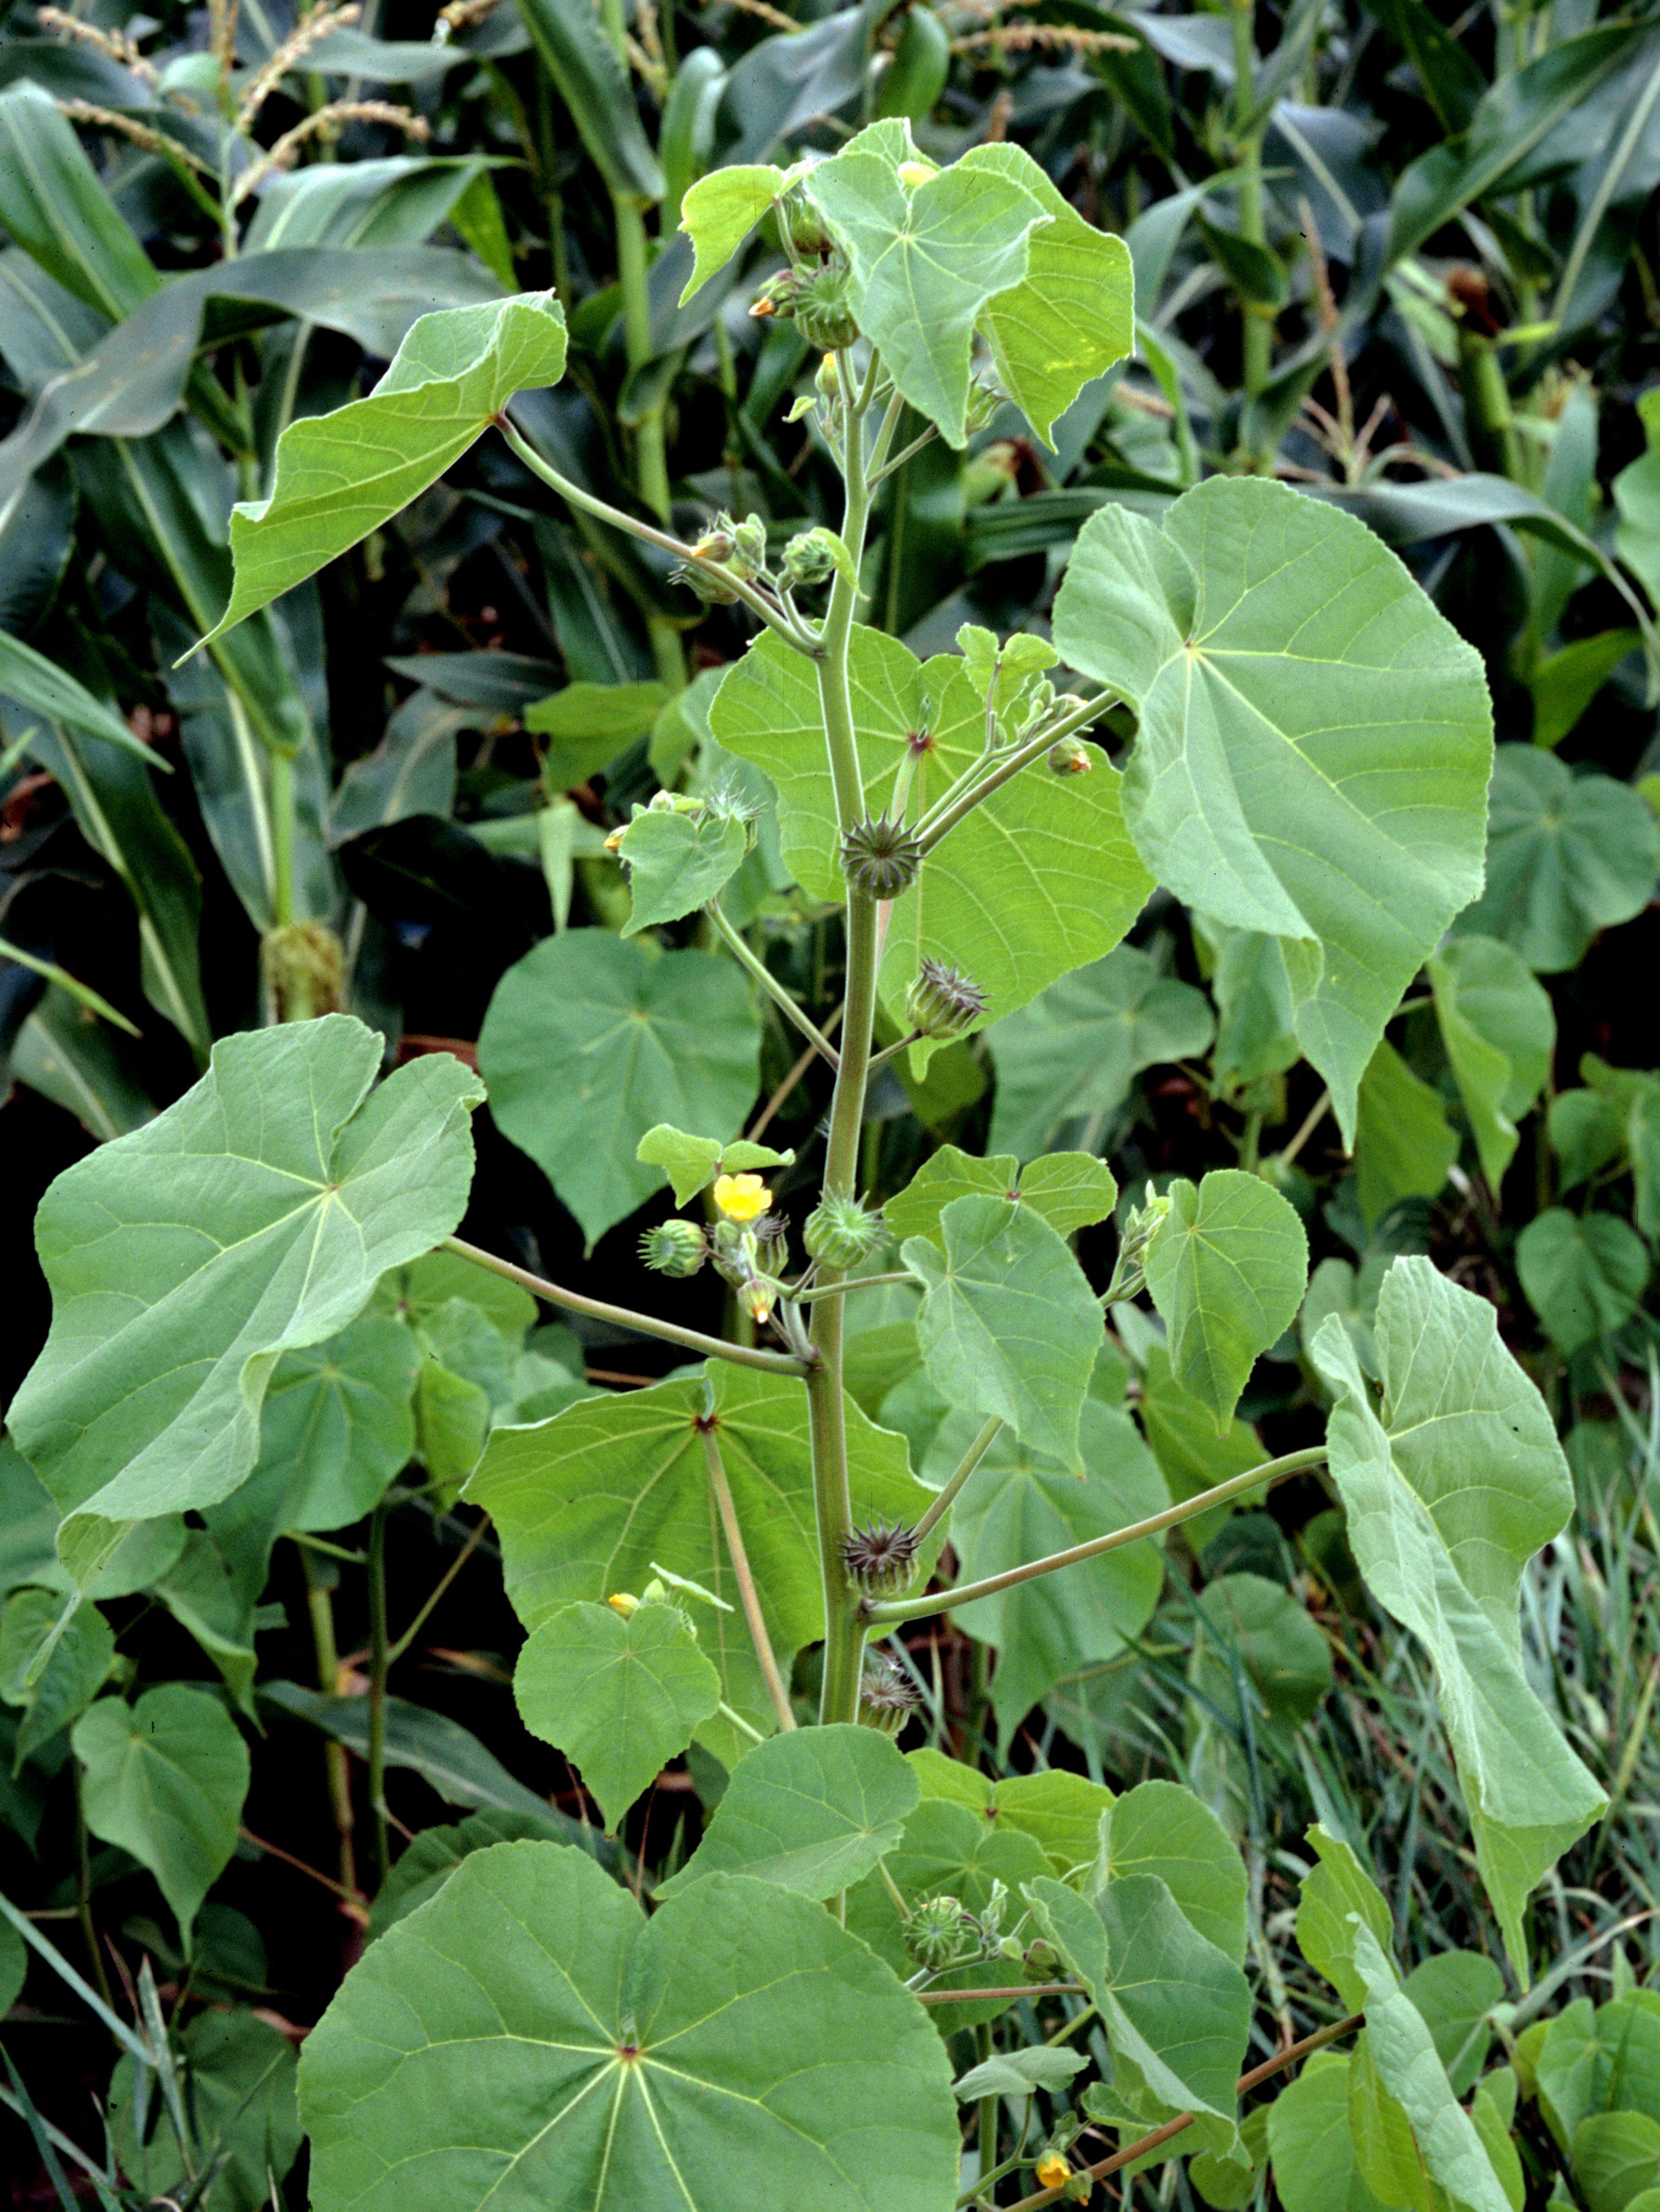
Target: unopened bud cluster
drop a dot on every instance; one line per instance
(887, 1697)
(1129, 1276)
(840, 1233)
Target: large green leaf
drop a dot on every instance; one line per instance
(250, 1219)
(1071, 1056)
(1452, 1483)
(1315, 740)
(1309, 2143)
(337, 476)
(1585, 1273)
(1499, 1030)
(78, 1660)
(1456, 1992)
(588, 1504)
(428, 1863)
(619, 1696)
(1175, 2009)
(1072, 315)
(1227, 1266)
(677, 861)
(1038, 878)
(166, 1779)
(1070, 1190)
(1567, 855)
(813, 1811)
(1159, 1828)
(1338, 1897)
(1008, 1324)
(1404, 1141)
(925, 258)
(1616, 2159)
(1058, 1810)
(528, 2040)
(1021, 1503)
(590, 1042)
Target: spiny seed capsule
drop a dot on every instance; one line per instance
(887, 1699)
(841, 1233)
(936, 1932)
(943, 1001)
(881, 1557)
(820, 305)
(674, 1248)
(880, 857)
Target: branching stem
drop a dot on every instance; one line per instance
(1241, 2087)
(965, 1466)
(748, 1594)
(690, 1340)
(749, 959)
(1274, 1470)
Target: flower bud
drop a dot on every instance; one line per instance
(816, 299)
(1053, 2170)
(804, 225)
(749, 554)
(809, 558)
(881, 1557)
(1128, 1275)
(887, 1698)
(880, 857)
(937, 1933)
(674, 1248)
(943, 1002)
(841, 1233)
(622, 1602)
(912, 174)
(1069, 757)
(758, 1294)
(1041, 1960)
(990, 1915)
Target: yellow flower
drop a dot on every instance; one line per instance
(622, 1602)
(1052, 2170)
(741, 1197)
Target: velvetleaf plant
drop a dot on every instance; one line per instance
(1310, 759)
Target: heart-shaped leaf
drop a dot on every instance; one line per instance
(589, 1043)
(589, 1504)
(1567, 855)
(166, 1779)
(554, 2047)
(1008, 1324)
(619, 1696)
(254, 1217)
(811, 1811)
(1227, 1266)
(1585, 1273)
(925, 258)
(1315, 740)
(340, 475)
(1069, 1190)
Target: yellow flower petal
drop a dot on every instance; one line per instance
(1052, 2170)
(741, 1197)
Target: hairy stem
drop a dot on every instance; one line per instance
(1241, 2087)
(844, 1632)
(690, 1340)
(320, 1603)
(1274, 1470)
(748, 1594)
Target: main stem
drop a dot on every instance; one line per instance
(844, 1631)
(380, 1662)
(1257, 320)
